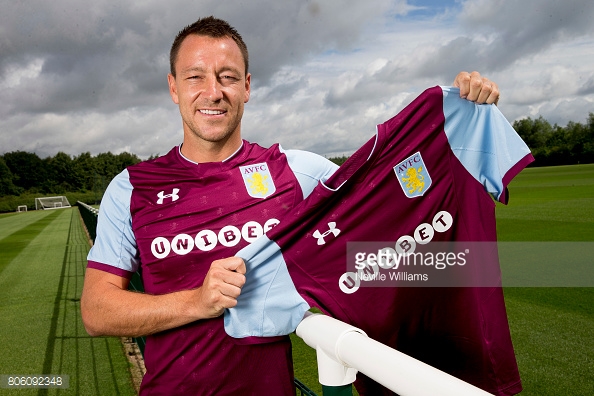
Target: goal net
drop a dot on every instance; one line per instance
(22, 208)
(51, 203)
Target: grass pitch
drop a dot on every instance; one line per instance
(552, 327)
(42, 261)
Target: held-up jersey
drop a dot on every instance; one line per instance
(427, 177)
(170, 218)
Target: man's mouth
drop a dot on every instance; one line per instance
(212, 112)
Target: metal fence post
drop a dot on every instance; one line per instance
(341, 390)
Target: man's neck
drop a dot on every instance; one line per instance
(203, 151)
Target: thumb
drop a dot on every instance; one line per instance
(236, 264)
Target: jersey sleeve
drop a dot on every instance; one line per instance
(309, 168)
(484, 142)
(269, 304)
(115, 249)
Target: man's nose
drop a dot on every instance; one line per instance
(212, 90)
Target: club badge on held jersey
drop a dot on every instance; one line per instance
(413, 176)
(258, 180)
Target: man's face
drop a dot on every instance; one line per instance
(210, 88)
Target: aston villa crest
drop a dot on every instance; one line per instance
(413, 176)
(258, 180)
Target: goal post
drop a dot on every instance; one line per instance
(58, 202)
(22, 208)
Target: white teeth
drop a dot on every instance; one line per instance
(211, 112)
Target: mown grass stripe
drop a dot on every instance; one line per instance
(12, 223)
(551, 327)
(12, 245)
(51, 338)
(96, 365)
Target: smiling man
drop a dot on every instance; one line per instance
(210, 83)
(180, 218)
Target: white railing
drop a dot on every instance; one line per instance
(342, 350)
(88, 207)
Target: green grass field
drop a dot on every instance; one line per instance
(552, 327)
(42, 259)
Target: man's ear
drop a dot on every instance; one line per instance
(172, 88)
(248, 83)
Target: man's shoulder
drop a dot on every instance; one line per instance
(309, 163)
(165, 167)
(159, 161)
(309, 168)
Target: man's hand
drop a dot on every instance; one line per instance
(222, 285)
(476, 88)
(108, 308)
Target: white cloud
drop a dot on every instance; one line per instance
(92, 77)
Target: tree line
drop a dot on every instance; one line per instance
(556, 145)
(23, 172)
(26, 173)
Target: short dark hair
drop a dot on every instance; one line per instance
(210, 27)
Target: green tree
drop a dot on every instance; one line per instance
(589, 145)
(109, 165)
(533, 132)
(556, 145)
(339, 160)
(580, 140)
(85, 168)
(61, 177)
(28, 169)
(126, 159)
(7, 186)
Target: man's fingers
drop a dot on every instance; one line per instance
(235, 264)
(232, 273)
(240, 268)
(493, 97)
(227, 276)
(229, 294)
(214, 301)
(222, 285)
(462, 81)
(476, 88)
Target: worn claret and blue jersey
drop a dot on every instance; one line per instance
(171, 218)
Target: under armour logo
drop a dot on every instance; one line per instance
(332, 230)
(173, 196)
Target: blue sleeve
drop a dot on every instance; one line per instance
(269, 304)
(115, 244)
(484, 142)
(309, 168)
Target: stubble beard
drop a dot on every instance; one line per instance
(206, 133)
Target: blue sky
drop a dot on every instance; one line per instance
(93, 78)
(430, 8)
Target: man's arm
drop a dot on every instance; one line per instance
(108, 308)
(477, 88)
